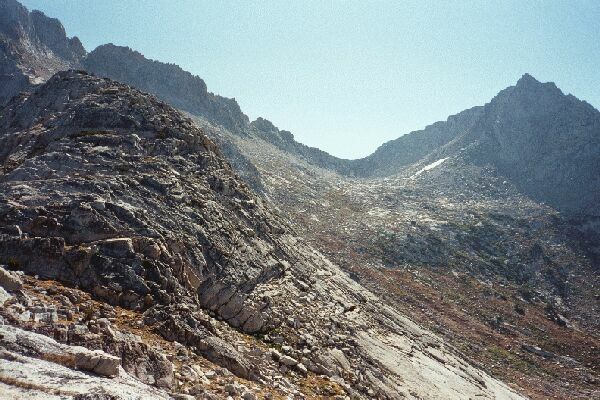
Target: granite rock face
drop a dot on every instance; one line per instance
(101, 136)
(35, 366)
(32, 48)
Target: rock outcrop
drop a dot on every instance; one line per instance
(35, 366)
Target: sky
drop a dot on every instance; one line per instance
(347, 76)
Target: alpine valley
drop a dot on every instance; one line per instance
(155, 243)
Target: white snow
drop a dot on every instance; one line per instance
(429, 166)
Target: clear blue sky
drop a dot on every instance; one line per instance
(346, 76)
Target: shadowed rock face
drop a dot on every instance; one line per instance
(546, 142)
(32, 48)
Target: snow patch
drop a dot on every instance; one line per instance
(429, 166)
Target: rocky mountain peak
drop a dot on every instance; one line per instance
(544, 141)
(270, 132)
(12, 17)
(51, 32)
(527, 83)
(530, 95)
(527, 79)
(32, 48)
(17, 23)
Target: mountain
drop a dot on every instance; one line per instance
(107, 190)
(205, 255)
(546, 142)
(32, 48)
(543, 140)
(553, 137)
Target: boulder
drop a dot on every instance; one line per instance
(9, 280)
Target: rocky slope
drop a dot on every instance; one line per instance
(393, 156)
(32, 48)
(108, 190)
(543, 141)
(457, 247)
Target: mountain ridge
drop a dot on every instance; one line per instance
(483, 228)
(393, 156)
(190, 93)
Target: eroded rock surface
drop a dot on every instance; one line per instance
(35, 366)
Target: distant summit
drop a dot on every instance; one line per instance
(527, 79)
(546, 142)
(32, 48)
